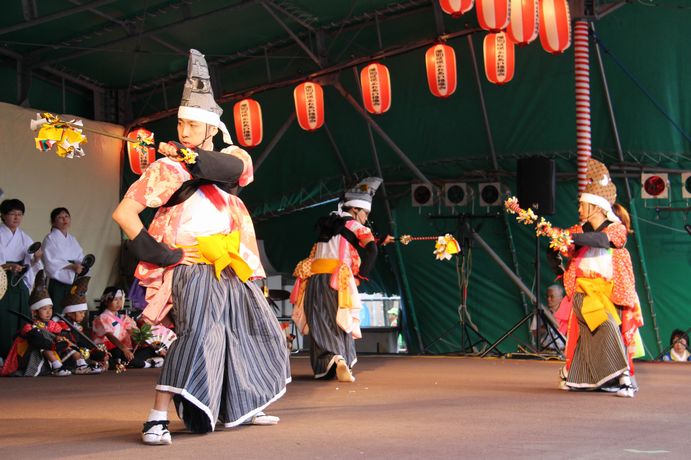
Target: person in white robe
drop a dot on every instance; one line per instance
(62, 256)
(20, 266)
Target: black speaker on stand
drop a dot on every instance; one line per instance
(537, 184)
(536, 181)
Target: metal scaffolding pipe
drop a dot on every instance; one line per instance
(383, 135)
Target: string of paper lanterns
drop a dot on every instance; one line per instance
(509, 23)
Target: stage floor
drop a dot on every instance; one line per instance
(399, 407)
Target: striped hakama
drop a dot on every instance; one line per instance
(599, 356)
(328, 339)
(230, 359)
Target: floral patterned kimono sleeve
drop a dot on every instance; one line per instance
(158, 183)
(616, 233)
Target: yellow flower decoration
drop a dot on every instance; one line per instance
(560, 240)
(188, 156)
(445, 247)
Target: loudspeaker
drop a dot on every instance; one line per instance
(421, 195)
(456, 194)
(537, 184)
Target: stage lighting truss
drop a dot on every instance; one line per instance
(654, 186)
(421, 195)
(686, 185)
(490, 194)
(457, 194)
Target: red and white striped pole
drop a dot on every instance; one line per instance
(582, 77)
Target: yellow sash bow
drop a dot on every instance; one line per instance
(596, 302)
(224, 250)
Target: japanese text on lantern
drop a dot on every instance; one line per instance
(439, 66)
(501, 55)
(374, 86)
(245, 121)
(143, 158)
(311, 104)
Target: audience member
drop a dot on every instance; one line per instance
(39, 349)
(113, 329)
(679, 341)
(555, 294)
(74, 309)
(62, 255)
(21, 266)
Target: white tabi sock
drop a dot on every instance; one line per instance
(81, 363)
(55, 364)
(625, 379)
(157, 415)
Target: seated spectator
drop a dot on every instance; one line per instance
(678, 351)
(74, 310)
(114, 331)
(40, 349)
(555, 294)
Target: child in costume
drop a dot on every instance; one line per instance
(74, 310)
(113, 330)
(40, 349)
(197, 260)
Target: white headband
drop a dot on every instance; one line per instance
(597, 200)
(362, 204)
(75, 308)
(205, 116)
(41, 303)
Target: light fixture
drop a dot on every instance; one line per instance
(456, 194)
(654, 186)
(686, 185)
(490, 194)
(422, 195)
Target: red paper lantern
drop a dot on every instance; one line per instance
(309, 105)
(493, 15)
(456, 8)
(555, 26)
(523, 26)
(376, 88)
(248, 122)
(440, 61)
(499, 58)
(139, 155)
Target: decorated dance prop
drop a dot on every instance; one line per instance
(85, 352)
(67, 136)
(3, 283)
(139, 337)
(140, 150)
(444, 247)
(560, 239)
(17, 277)
(161, 338)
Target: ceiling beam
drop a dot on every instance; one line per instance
(388, 13)
(294, 17)
(146, 33)
(54, 16)
(293, 35)
(128, 30)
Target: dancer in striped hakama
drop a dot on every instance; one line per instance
(325, 295)
(596, 353)
(197, 260)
